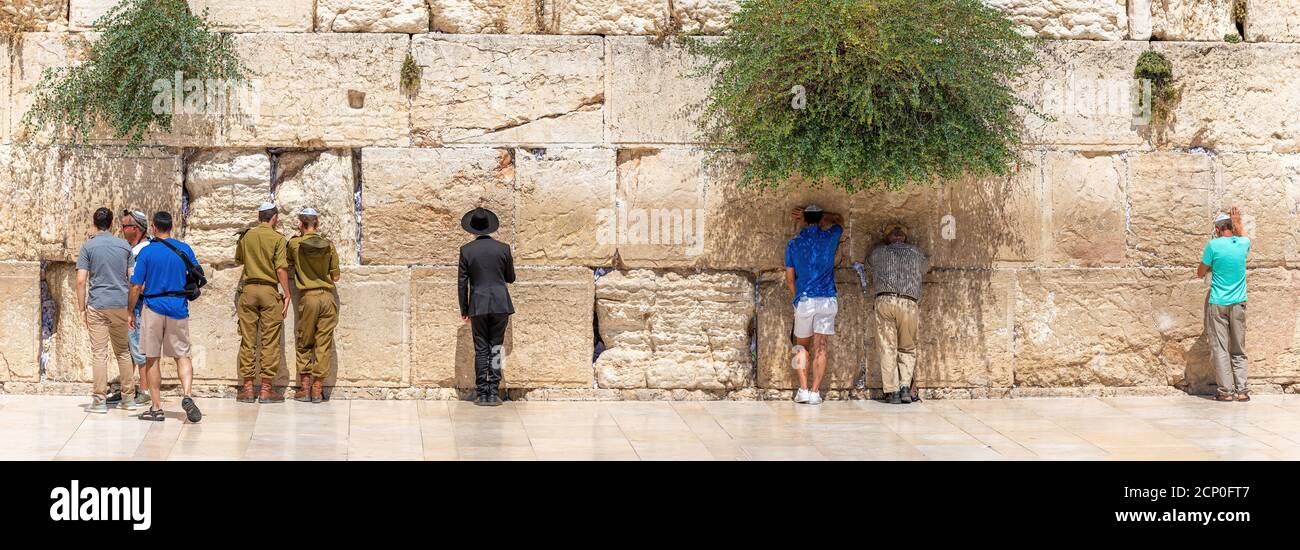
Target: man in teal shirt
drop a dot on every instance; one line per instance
(1225, 313)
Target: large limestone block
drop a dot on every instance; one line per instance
(20, 315)
(6, 66)
(1188, 20)
(704, 16)
(661, 218)
(1273, 326)
(1170, 210)
(322, 180)
(414, 199)
(373, 336)
(487, 16)
(1267, 189)
(69, 352)
(965, 333)
(561, 196)
(610, 17)
(17, 184)
(547, 344)
(408, 16)
(1273, 21)
(989, 222)
(225, 15)
(673, 330)
(508, 89)
(27, 61)
(1085, 208)
(1068, 19)
(847, 352)
(650, 90)
(1085, 88)
(1236, 98)
(1106, 327)
(915, 207)
(225, 188)
(33, 15)
(214, 329)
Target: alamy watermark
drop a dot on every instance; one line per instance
(77, 503)
(212, 97)
(679, 229)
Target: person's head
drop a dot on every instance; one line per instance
(103, 219)
(1223, 226)
(812, 214)
(308, 219)
(134, 225)
(895, 233)
(268, 213)
(162, 223)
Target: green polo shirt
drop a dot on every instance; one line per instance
(1226, 257)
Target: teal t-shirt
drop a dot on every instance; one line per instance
(1226, 257)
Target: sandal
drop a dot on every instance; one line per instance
(1223, 396)
(153, 415)
(1243, 396)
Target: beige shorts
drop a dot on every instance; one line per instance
(162, 336)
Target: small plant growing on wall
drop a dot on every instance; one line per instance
(865, 93)
(410, 79)
(149, 52)
(1154, 69)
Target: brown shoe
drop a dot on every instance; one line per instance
(269, 394)
(246, 394)
(318, 389)
(304, 388)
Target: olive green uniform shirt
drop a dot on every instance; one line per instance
(262, 250)
(315, 262)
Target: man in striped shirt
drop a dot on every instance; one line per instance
(896, 268)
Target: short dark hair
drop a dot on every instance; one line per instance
(103, 218)
(309, 221)
(812, 217)
(1224, 225)
(266, 215)
(162, 221)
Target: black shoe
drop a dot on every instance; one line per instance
(492, 400)
(191, 410)
(114, 398)
(894, 399)
(481, 400)
(906, 393)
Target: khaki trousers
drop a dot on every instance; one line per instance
(108, 331)
(318, 314)
(896, 320)
(261, 324)
(1226, 328)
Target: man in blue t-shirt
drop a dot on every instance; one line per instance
(1225, 311)
(159, 279)
(810, 277)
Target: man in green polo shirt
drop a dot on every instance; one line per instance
(1225, 313)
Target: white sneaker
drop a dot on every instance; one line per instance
(814, 398)
(97, 406)
(131, 405)
(802, 396)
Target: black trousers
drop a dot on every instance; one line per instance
(489, 333)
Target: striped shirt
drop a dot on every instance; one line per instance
(897, 268)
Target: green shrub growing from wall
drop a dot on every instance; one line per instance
(142, 42)
(865, 93)
(1155, 68)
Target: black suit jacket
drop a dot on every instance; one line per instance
(486, 267)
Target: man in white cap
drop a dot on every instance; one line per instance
(135, 229)
(315, 265)
(810, 277)
(263, 301)
(896, 269)
(1225, 310)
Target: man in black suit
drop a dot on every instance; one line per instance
(486, 267)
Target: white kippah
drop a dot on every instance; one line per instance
(266, 206)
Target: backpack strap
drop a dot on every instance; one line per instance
(189, 266)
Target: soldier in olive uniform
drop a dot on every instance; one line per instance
(315, 266)
(263, 301)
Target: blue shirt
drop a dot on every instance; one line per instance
(161, 270)
(812, 255)
(1226, 257)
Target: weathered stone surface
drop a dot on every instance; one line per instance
(1087, 89)
(660, 220)
(508, 89)
(322, 180)
(487, 16)
(225, 188)
(1273, 21)
(1235, 97)
(36, 52)
(17, 184)
(69, 346)
(1186, 20)
(540, 351)
(1139, 19)
(1170, 210)
(965, 333)
(214, 329)
(371, 297)
(847, 354)
(609, 17)
(674, 330)
(20, 314)
(1273, 327)
(1085, 208)
(872, 211)
(1068, 19)
(225, 15)
(990, 222)
(560, 196)
(650, 89)
(33, 15)
(6, 65)
(704, 16)
(408, 16)
(1267, 189)
(413, 201)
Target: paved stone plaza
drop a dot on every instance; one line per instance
(1156, 428)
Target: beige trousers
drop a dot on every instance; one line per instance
(896, 319)
(1226, 328)
(108, 339)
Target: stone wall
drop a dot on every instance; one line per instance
(571, 120)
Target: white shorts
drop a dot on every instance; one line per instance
(815, 315)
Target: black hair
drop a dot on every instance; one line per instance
(266, 215)
(312, 222)
(162, 221)
(813, 218)
(103, 219)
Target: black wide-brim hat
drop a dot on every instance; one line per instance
(480, 221)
